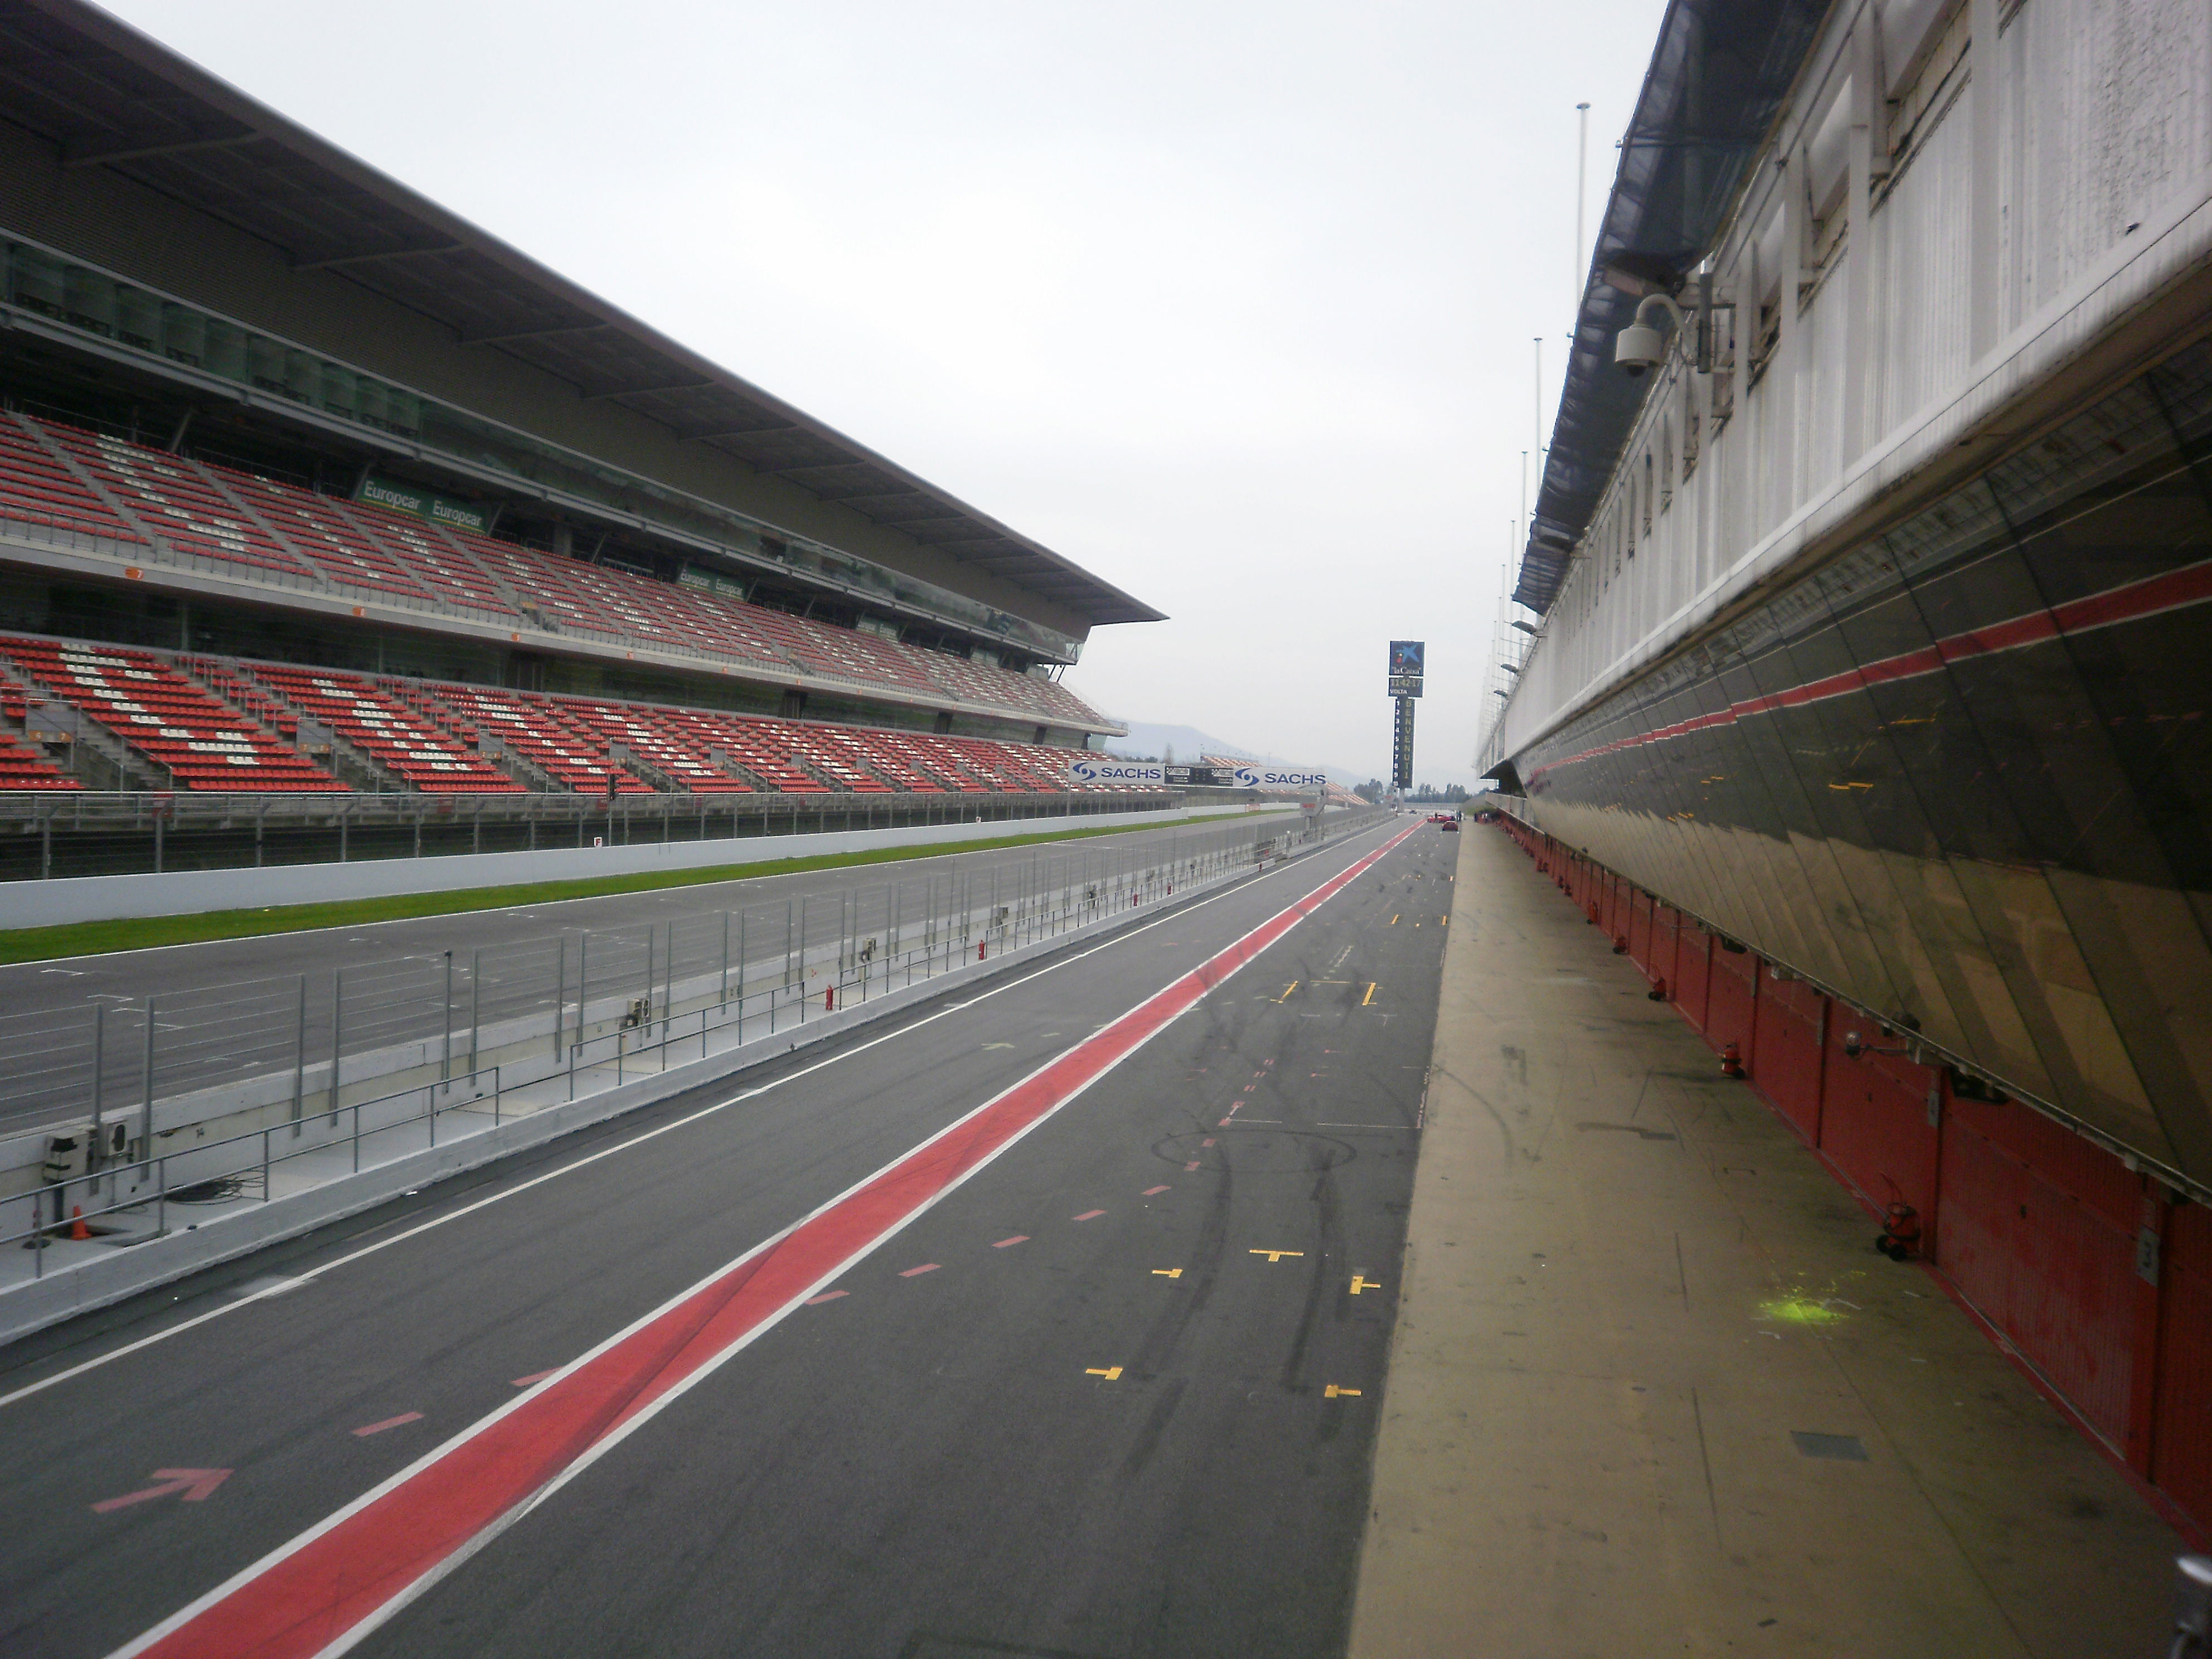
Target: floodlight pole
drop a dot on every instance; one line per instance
(1582, 191)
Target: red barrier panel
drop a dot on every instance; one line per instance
(1730, 987)
(1666, 941)
(1875, 1122)
(1788, 1025)
(2051, 1268)
(1639, 932)
(1694, 973)
(2181, 1443)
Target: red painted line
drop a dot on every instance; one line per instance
(2152, 595)
(534, 1376)
(1193, 1164)
(826, 1295)
(1089, 1215)
(926, 1268)
(192, 1485)
(1208, 1141)
(1018, 1238)
(1149, 1191)
(368, 1428)
(331, 1584)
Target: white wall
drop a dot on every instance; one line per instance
(190, 892)
(1927, 260)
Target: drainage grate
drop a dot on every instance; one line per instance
(1846, 1446)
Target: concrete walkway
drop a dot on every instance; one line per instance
(1652, 1390)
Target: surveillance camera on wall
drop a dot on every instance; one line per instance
(1640, 345)
(1637, 348)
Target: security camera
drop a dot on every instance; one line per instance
(1641, 346)
(1854, 1044)
(1636, 348)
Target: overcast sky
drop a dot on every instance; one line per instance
(1233, 303)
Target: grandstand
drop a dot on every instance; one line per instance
(310, 488)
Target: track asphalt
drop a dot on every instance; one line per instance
(1112, 1392)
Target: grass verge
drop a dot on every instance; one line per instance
(84, 939)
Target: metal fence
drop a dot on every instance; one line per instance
(281, 1068)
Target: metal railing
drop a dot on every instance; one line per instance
(646, 998)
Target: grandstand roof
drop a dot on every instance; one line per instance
(106, 95)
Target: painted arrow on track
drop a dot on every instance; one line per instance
(193, 1484)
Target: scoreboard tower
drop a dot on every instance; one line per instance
(1406, 675)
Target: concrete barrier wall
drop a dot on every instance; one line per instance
(191, 892)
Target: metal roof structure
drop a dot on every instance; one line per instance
(106, 95)
(1717, 82)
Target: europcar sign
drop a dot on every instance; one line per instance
(1104, 769)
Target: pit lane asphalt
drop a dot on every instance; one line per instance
(921, 1465)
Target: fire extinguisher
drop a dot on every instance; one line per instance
(1901, 1232)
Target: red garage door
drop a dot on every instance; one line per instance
(1873, 1122)
(1732, 985)
(2181, 1449)
(1788, 1027)
(2038, 1234)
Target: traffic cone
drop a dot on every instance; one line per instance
(1620, 944)
(1658, 991)
(78, 1231)
(1731, 1061)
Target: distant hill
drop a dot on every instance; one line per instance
(1188, 743)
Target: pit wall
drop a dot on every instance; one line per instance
(2095, 1275)
(191, 892)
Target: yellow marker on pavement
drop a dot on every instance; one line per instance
(1110, 1374)
(1332, 1391)
(1359, 1284)
(1287, 989)
(1394, 921)
(1277, 1256)
(1369, 998)
(1168, 1273)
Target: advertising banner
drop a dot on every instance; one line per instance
(1256, 776)
(423, 504)
(711, 582)
(1405, 657)
(1106, 769)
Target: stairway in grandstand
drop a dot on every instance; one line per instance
(139, 502)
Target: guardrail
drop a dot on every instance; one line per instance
(595, 1054)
